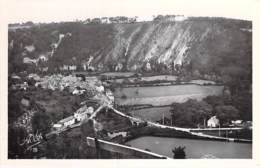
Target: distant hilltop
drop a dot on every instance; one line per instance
(167, 44)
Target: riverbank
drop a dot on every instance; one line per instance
(136, 132)
(194, 149)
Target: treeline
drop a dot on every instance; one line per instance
(193, 113)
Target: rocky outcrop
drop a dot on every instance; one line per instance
(189, 42)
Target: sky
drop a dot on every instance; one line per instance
(68, 10)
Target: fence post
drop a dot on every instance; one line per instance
(97, 148)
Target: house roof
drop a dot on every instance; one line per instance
(66, 119)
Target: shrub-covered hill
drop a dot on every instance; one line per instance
(198, 45)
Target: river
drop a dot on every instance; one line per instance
(194, 148)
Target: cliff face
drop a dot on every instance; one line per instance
(203, 44)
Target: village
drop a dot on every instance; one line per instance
(103, 98)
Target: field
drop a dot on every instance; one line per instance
(164, 95)
(118, 74)
(149, 78)
(152, 114)
(159, 77)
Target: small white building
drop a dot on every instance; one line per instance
(119, 67)
(83, 113)
(100, 88)
(29, 48)
(78, 92)
(57, 126)
(72, 67)
(213, 122)
(15, 76)
(110, 95)
(115, 134)
(237, 122)
(43, 58)
(67, 121)
(27, 60)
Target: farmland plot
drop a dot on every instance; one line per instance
(152, 114)
(164, 95)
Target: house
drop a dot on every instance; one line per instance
(83, 113)
(57, 126)
(236, 122)
(15, 77)
(100, 88)
(110, 95)
(213, 122)
(72, 67)
(27, 60)
(67, 121)
(115, 134)
(148, 66)
(43, 58)
(78, 92)
(30, 48)
(119, 67)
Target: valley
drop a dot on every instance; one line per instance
(129, 83)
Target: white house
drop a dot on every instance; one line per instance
(100, 88)
(78, 92)
(119, 67)
(213, 122)
(57, 126)
(115, 134)
(110, 95)
(67, 121)
(72, 67)
(42, 58)
(27, 60)
(30, 48)
(148, 66)
(83, 113)
(237, 122)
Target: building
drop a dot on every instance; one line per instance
(27, 60)
(43, 58)
(30, 48)
(110, 95)
(78, 92)
(100, 88)
(83, 113)
(57, 126)
(237, 123)
(67, 121)
(213, 122)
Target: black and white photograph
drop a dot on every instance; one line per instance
(129, 80)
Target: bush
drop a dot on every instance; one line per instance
(124, 96)
(179, 153)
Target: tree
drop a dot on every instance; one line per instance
(190, 113)
(214, 100)
(16, 137)
(41, 121)
(14, 109)
(87, 128)
(226, 113)
(179, 153)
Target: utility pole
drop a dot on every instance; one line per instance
(97, 148)
(219, 130)
(163, 118)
